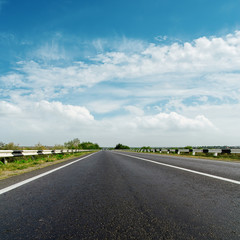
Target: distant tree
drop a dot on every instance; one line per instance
(76, 144)
(39, 146)
(11, 146)
(89, 145)
(121, 146)
(58, 146)
(146, 147)
(2, 144)
(73, 144)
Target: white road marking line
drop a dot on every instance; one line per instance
(185, 169)
(7, 189)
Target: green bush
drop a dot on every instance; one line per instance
(121, 146)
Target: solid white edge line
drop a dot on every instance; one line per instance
(7, 189)
(184, 169)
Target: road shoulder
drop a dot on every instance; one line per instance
(30, 172)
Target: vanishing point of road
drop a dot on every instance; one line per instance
(123, 195)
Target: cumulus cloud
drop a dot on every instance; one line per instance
(27, 123)
(104, 106)
(171, 65)
(174, 121)
(160, 129)
(203, 55)
(44, 113)
(57, 109)
(46, 120)
(134, 110)
(176, 80)
(9, 110)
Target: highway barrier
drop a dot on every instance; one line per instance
(215, 152)
(4, 154)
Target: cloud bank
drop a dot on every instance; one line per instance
(153, 89)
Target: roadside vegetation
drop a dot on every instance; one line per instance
(225, 156)
(121, 146)
(220, 156)
(72, 144)
(18, 165)
(76, 144)
(146, 148)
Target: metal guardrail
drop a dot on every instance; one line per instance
(20, 153)
(192, 151)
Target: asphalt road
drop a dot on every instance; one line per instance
(112, 196)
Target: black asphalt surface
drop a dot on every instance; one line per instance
(111, 196)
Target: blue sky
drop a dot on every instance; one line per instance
(159, 73)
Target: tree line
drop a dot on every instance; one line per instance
(121, 146)
(76, 144)
(72, 144)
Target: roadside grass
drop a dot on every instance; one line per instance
(19, 165)
(232, 157)
(225, 156)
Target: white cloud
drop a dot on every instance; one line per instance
(60, 110)
(184, 82)
(160, 129)
(9, 110)
(161, 122)
(104, 106)
(202, 64)
(44, 113)
(174, 122)
(54, 121)
(119, 44)
(14, 80)
(161, 38)
(134, 110)
(50, 52)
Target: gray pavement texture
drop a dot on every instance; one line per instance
(111, 196)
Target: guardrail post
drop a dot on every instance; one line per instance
(205, 150)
